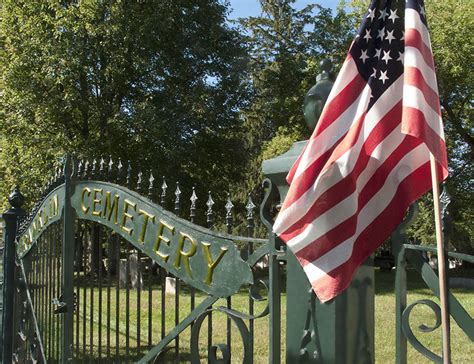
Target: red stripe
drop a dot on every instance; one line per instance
(334, 108)
(408, 191)
(415, 124)
(338, 234)
(331, 112)
(347, 185)
(300, 186)
(414, 77)
(306, 179)
(413, 39)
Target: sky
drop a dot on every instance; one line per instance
(244, 8)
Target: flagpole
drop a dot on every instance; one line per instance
(443, 291)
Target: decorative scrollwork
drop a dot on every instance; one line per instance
(238, 318)
(223, 348)
(407, 330)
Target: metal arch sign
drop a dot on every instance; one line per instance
(204, 259)
(49, 211)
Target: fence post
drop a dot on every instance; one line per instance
(11, 217)
(340, 331)
(68, 250)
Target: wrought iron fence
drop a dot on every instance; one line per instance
(125, 306)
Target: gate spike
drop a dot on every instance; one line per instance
(250, 218)
(101, 167)
(119, 170)
(164, 186)
(150, 186)
(86, 168)
(129, 175)
(210, 214)
(109, 170)
(94, 168)
(192, 209)
(139, 181)
(228, 217)
(80, 167)
(58, 173)
(177, 202)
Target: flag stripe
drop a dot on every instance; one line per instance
(328, 285)
(341, 252)
(413, 39)
(413, 21)
(413, 58)
(350, 71)
(414, 98)
(364, 193)
(414, 77)
(302, 195)
(436, 145)
(343, 182)
(331, 136)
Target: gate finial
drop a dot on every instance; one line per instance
(110, 169)
(129, 175)
(228, 217)
(139, 181)
(164, 186)
(192, 209)
(119, 170)
(16, 199)
(210, 214)
(150, 186)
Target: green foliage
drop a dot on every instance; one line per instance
(172, 87)
(286, 46)
(159, 83)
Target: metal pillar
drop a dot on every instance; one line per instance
(341, 331)
(11, 217)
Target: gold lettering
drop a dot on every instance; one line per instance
(84, 191)
(111, 207)
(211, 265)
(96, 200)
(45, 217)
(146, 218)
(125, 215)
(30, 235)
(160, 238)
(185, 255)
(40, 218)
(54, 205)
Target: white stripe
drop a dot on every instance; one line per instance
(413, 97)
(346, 75)
(413, 21)
(339, 213)
(328, 138)
(413, 58)
(342, 253)
(300, 207)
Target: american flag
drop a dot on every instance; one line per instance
(369, 156)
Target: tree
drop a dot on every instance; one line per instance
(286, 46)
(159, 83)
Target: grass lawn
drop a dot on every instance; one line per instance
(462, 348)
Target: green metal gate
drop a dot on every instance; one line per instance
(95, 257)
(101, 271)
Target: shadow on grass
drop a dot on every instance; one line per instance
(168, 356)
(385, 281)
